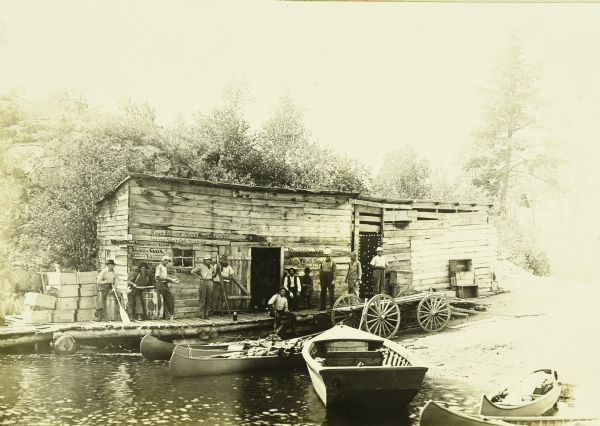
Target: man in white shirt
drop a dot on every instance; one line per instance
(163, 279)
(221, 281)
(379, 264)
(292, 285)
(279, 309)
(106, 279)
(205, 272)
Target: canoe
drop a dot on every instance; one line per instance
(531, 396)
(155, 349)
(352, 367)
(186, 361)
(434, 414)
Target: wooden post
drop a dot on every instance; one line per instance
(65, 345)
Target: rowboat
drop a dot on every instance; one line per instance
(434, 414)
(155, 349)
(187, 361)
(533, 395)
(350, 366)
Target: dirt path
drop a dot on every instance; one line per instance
(539, 323)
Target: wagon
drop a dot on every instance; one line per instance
(380, 315)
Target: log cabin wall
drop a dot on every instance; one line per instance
(112, 224)
(189, 219)
(422, 241)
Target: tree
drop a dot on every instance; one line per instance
(404, 174)
(509, 147)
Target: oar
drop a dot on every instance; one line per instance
(122, 313)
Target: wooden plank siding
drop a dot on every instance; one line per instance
(229, 221)
(112, 224)
(147, 217)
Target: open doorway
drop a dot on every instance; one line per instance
(266, 275)
(367, 246)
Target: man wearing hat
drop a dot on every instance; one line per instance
(106, 279)
(327, 278)
(379, 264)
(291, 283)
(205, 272)
(163, 279)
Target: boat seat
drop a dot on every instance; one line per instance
(353, 358)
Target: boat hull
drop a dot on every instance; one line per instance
(367, 385)
(436, 415)
(155, 349)
(182, 364)
(537, 407)
(362, 383)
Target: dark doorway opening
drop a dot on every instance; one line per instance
(266, 275)
(368, 242)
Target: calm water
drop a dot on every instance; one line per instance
(125, 389)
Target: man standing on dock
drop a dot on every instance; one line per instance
(279, 309)
(327, 278)
(205, 272)
(106, 280)
(162, 285)
(379, 264)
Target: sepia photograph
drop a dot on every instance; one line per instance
(319, 213)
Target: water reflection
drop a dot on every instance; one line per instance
(119, 389)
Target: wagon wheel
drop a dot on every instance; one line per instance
(346, 315)
(382, 316)
(433, 313)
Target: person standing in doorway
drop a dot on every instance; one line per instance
(291, 283)
(354, 275)
(327, 278)
(205, 272)
(379, 264)
(162, 281)
(107, 278)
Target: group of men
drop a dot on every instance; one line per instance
(294, 289)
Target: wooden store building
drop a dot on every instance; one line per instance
(264, 231)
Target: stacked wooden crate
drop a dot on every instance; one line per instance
(38, 308)
(76, 295)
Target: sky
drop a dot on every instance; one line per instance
(370, 77)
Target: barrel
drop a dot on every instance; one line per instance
(153, 303)
(112, 307)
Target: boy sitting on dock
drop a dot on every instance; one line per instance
(279, 309)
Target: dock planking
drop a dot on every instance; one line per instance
(18, 333)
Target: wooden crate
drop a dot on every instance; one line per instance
(58, 279)
(87, 290)
(68, 291)
(85, 314)
(86, 277)
(90, 302)
(36, 317)
(66, 303)
(40, 301)
(66, 315)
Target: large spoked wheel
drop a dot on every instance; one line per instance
(382, 316)
(345, 312)
(433, 313)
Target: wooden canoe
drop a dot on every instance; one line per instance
(531, 396)
(435, 414)
(155, 349)
(186, 362)
(352, 367)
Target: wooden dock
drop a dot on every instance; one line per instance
(17, 333)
